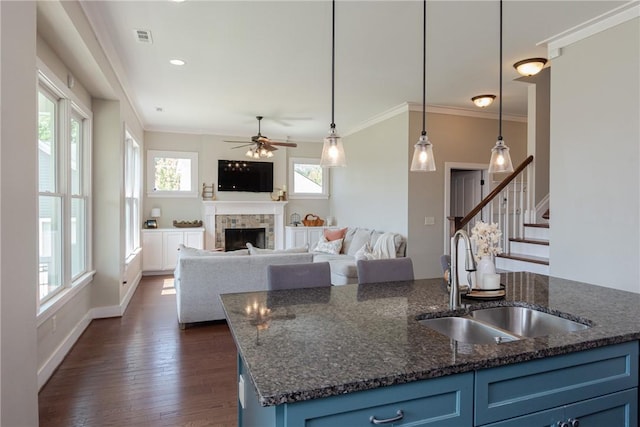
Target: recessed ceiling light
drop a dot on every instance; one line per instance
(159, 109)
(177, 61)
(178, 1)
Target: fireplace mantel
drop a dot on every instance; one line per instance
(223, 207)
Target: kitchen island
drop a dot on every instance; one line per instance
(353, 355)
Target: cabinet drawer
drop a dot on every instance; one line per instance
(519, 389)
(445, 401)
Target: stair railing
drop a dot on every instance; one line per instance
(505, 205)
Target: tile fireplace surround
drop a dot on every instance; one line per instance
(219, 214)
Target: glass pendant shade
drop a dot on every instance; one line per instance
(500, 158)
(333, 151)
(423, 160)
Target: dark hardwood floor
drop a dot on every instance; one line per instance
(142, 370)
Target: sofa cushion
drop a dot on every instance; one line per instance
(259, 251)
(189, 251)
(355, 239)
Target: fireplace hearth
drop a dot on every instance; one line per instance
(237, 238)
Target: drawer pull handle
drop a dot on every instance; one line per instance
(574, 422)
(400, 415)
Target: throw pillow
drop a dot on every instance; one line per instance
(328, 247)
(331, 235)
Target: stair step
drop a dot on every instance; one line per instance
(532, 241)
(540, 225)
(526, 258)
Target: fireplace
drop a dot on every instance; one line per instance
(237, 238)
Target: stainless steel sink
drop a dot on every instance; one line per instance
(526, 322)
(467, 330)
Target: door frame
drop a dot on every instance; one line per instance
(448, 167)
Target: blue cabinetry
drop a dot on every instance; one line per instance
(597, 387)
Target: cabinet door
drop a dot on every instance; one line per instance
(194, 239)
(172, 239)
(296, 237)
(152, 254)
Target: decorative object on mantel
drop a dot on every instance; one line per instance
(187, 224)
(295, 219)
(208, 192)
(311, 220)
(282, 194)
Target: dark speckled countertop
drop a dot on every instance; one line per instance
(312, 343)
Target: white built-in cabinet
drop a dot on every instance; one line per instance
(160, 246)
(301, 236)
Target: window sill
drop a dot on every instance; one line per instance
(52, 306)
(308, 196)
(133, 255)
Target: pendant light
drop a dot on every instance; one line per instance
(332, 149)
(423, 160)
(500, 158)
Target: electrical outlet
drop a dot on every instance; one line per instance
(429, 220)
(241, 390)
(54, 323)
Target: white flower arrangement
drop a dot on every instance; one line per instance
(486, 239)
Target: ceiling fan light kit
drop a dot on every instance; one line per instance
(530, 67)
(332, 148)
(423, 160)
(260, 146)
(483, 100)
(500, 158)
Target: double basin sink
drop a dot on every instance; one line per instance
(501, 324)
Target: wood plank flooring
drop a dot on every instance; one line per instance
(142, 370)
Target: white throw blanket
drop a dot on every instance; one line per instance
(384, 248)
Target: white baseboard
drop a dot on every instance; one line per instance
(48, 368)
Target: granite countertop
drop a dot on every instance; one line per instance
(311, 343)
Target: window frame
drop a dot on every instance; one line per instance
(68, 108)
(192, 156)
(292, 194)
(132, 195)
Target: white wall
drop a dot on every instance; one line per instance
(210, 149)
(595, 150)
(18, 215)
(371, 191)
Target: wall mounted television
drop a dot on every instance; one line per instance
(242, 175)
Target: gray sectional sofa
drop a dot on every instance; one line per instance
(200, 278)
(201, 275)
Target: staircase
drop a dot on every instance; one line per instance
(527, 253)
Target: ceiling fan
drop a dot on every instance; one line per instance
(261, 146)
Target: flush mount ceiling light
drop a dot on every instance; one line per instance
(483, 100)
(500, 158)
(530, 67)
(332, 149)
(177, 62)
(423, 160)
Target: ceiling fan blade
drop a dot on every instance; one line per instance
(284, 144)
(242, 146)
(237, 142)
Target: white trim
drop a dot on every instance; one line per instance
(448, 166)
(292, 195)
(437, 109)
(48, 367)
(132, 290)
(593, 26)
(52, 80)
(192, 156)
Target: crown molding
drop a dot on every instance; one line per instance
(436, 109)
(593, 26)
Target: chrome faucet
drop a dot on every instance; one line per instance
(470, 265)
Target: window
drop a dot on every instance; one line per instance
(307, 179)
(132, 195)
(63, 189)
(172, 174)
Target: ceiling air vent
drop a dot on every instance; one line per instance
(143, 36)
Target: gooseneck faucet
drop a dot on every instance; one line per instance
(470, 265)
